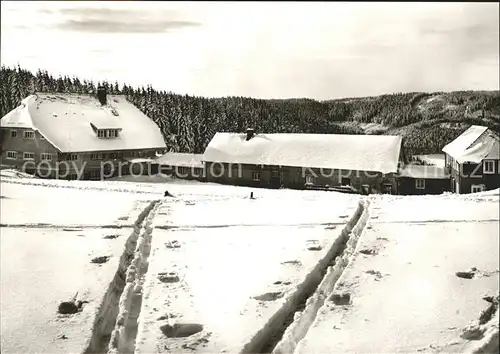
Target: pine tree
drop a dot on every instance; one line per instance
(188, 123)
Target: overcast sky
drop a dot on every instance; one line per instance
(267, 50)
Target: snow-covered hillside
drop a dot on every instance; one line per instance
(211, 270)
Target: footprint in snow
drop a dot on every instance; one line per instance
(181, 330)
(272, 296)
(168, 277)
(368, 251)
(340, 299)
(100, 260)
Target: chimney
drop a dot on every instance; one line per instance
(250, 133)
(101, 95)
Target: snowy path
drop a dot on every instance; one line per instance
(212, 270)
(234, 286)
(404, 294)
(113, 313)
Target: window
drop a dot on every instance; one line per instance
(94, 175)
(387, 188)
(29, 156)
(488, 167)
(420, 183)
(29, 135)
(12, 155)
(96, 156)
(309, 179)
(46, 156)
(345, 182)
(71, 157)
(256, 176)
(183, 171)
(13, 133)
(107, 133)
(476, 188)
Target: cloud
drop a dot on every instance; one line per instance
(115, 20)
(291, 49)
(472, 34)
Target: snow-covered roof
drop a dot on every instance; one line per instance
(474, 145)
(139, 160)
(378, 153)
(65, 121)
(180, 159)
(19, 117)
(423, 171)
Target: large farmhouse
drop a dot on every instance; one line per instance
(365, 162)
(473, 160)
(77, 136)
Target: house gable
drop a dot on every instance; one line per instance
(473, 145)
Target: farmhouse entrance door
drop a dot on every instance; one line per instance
(275, 181)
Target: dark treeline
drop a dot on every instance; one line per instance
(426, 121)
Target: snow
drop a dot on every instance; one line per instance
(370, 128)
(462, 149)
(49, 236)
(52, 229)
(19, 117)
(378, 153)
(423, 171)
(437, 160)
(65, 121)
(241, 274)
(14, 173)
(57, 206)
(227, 257)
(180, 159)
(42, 267)
(405, 296)
(486, 147)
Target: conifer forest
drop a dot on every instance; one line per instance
(426, 121)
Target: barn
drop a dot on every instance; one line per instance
(423, 179)
(364, 163)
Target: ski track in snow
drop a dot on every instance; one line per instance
(116, 323)
(113, 313)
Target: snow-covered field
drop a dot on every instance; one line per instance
(405, 295)
(211, 270)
